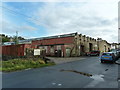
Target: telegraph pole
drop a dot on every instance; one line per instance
(16, 37)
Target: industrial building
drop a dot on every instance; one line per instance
(66, 45)
(73, 44)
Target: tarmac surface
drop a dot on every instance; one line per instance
(83, 72)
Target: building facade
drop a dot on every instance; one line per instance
(103, 45)
(115, 45)
(66, 45)
(73, 44)
(56, 45)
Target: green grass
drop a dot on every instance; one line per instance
(21, 64)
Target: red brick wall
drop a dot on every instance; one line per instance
(63, 50)
(54, 41)
(61, 40)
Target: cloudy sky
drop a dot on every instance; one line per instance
(39, 19)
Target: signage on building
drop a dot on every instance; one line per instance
(36, 51)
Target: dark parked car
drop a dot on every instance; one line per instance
(108, 56)
(93, 53)
(116, 53)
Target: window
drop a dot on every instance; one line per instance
(58, 47)
(107, 54)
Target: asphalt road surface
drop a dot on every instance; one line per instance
(61, 76)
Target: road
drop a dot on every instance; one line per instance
(103, 76)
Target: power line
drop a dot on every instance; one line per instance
(19, 13)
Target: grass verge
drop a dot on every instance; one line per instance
(21, 64)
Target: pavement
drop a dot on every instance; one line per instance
(60, 60)
(71, 74)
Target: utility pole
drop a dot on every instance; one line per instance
(16, 41)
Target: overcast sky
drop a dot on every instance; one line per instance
(38, 19)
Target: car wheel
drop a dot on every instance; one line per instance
(113, 61)
(102, 61)
(117, 58)
(88, 54)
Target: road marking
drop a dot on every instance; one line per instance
(53, 83)
(59, 84)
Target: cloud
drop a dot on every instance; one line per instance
(61, 1)
(27, 27)
(10, 24)
(10, 28)
(95, 19)
(92, 19)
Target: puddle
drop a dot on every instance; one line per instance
(82, 73)
(106, 69)
(98, 77)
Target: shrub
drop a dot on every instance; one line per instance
(19, 64)
(41, 61)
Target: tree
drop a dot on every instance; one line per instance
(6, 38)
(21, 38)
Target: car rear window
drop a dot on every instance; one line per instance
(107, 54)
